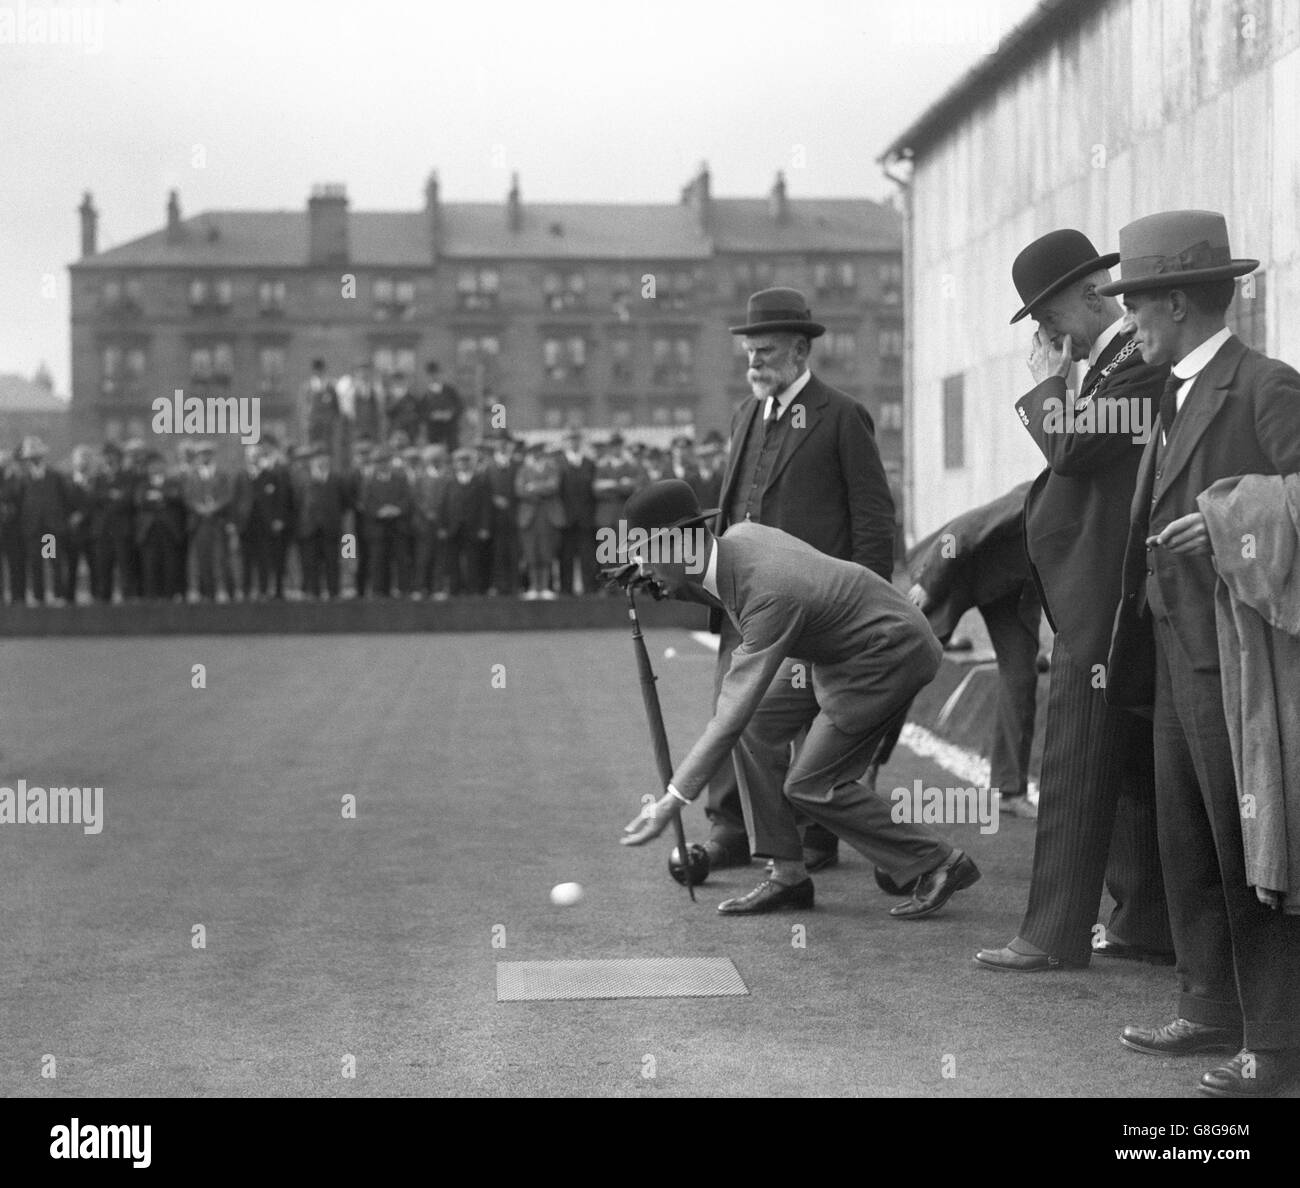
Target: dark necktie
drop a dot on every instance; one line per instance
(769, 421)
(1169, 403)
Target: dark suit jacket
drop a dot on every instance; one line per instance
(161, 507)
(1242, 416)
(827, 485)
(857, 633)
(972, 560)
(1076, 514)
(578, 492)
(44, 506)
(320, 505)
(467, 507)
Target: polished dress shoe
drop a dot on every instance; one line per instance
(1252, 1074)
(724, 853)
(1009, 960)
(1110, 948)
(818, 859)
(1181, 1037)
(770, 896)
(938, 886)
(1018, 806)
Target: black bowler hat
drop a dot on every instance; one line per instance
(772, 311)
(1053, 262)
(669, 503)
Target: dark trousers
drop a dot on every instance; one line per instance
(462, 560)
(389, 558)
(1238, 961)
(34, 565)
(14, 565)
(722, 805)
(1096, 822)
(578, 544)
(319, 554)
(266, 554)
(822, 781)
(361, 531)
(427, 575)
(117, 560)
(159, 565)
(505, 553)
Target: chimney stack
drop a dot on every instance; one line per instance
(174, 232)
(514, 205)
(327, 211)
(89, 225)
(776, 202)
(697, 196)
(433, 213)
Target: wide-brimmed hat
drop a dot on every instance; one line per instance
(772, 311)
(669, 503)
(1053, 262)
(1173, 248)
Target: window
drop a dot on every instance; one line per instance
(270, 368)
(393, 298)
(201, 363)
(477, 356)
(891, 282)
(622, 416)
(565, 359)
(621, 363)
(835, 278)
(752, 275)
(135, 363)
(566, 414)
(672, 361)
(564, 290)
(223, 293)
(198, 293)
(891, 343)
(270, 296)
(954, 422)
(112, 294)
(680, 288)
(223, 361)
(837, 349)
(404, 292)
(891, 416)
(1246, 315)
(110, 368)
(387, 361)
(477, 288)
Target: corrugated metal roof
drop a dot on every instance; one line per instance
(480, 231)
(1024, 42)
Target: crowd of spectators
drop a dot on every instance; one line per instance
(125, 523)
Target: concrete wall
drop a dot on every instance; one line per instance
(1147, 105)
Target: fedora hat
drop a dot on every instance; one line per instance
(774, 310)
(1052, 263)
(1172, 248)
(669, 503)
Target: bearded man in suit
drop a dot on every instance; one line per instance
(862, 646)
(1225, 411)
(803, 459)
(1096, 809)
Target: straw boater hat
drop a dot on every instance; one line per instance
(1173, 248)
(1053, 263)
(772, 311)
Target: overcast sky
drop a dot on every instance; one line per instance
(247, 104)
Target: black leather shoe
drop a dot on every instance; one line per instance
(727, 853)
(815, 860)
(769, 896)
(938, 886)
(1007, 960)
(1132, 953)
(1181, 1037)
(1252, 1074)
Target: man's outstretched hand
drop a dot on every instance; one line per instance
(651, 821)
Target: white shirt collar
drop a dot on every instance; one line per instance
(1104, 339)
(1196, 360)
(710, 582)
(783, 399)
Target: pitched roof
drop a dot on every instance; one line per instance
(479, 231)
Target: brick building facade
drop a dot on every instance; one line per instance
(609, 315)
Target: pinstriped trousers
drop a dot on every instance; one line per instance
(1096, 823)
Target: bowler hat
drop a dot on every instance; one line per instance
(1173, 248)
(669, 503)
(772, 311)
(1053, 262)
